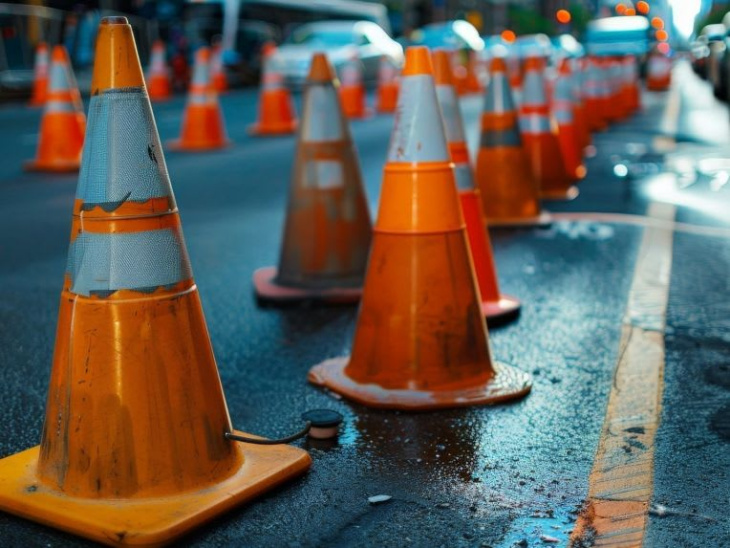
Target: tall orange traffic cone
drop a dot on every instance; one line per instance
(658, 72)
(328, 230)
(495, 306)
(540, 135)
(40, 76)
(218, 78)
(510, 194)
(612, 70)
(569, 137)
(581, 112)
(387, 85)
(594, 95)
(62, 126)
(158, 76)
(203, 127)
(133, 450)
(634, 82)
(276, 114)
(420, 341)
(352, 90)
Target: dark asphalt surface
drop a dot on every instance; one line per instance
(475, 477)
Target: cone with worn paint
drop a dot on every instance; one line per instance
(276, 115)
(541, 138)
(218, 77)
(509, 191)
(387, 85)
(158, 75)
(352, 90)
(328, 230)
(203, 127)
(40, 76)
(658, 72)
(593, 93)
(63, 124)
(495, 306)
(133, 449)
(421, 342)
(563, 107)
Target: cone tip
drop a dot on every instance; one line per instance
(498, 64)
(533, 62)
(320, 69)
(442, 72)
(202, 55)
(59, 54)
(418, 61)
(114, 20)
(565, 67)
(116, 63)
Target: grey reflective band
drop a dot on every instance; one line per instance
(563, 117)
(321, 121)
(464, 177)
(534, 123)
(198, 98)
(500, 138)
(58, 79)
(499, 96)
(59, 106)
(122, 158)
(100, 264)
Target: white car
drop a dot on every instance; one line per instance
(340, 41)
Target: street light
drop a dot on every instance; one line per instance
(657, 23)
(620, 9)
(563, 17)
(643, 7)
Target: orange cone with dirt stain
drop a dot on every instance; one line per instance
(133, 449)
(421, 342)
(495, 306)
(564, 111)
(387, 85)
(40, 76)
(509, 192)
(276, 114)
(218, 77)
(63, 124)
(203, 126)
(328, 230)
(158, 76)
(352, 90)
(541, 138)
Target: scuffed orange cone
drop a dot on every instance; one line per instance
(352, 90)
(40, 76)
(420, 341)
(158, 76)
(328, 230)
(218, 77)
(509, 192)
(495, 306)
(203, 127)
(62, 126)
(569, 137)
(541, 138)
(387, 85)
(133, 449)
(276, 114)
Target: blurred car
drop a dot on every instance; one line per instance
(715, 35)
(626, 35)
(700, 51)
(339, 40)
(457, 34)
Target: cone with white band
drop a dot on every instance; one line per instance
(158, 75)
(387, 85)
(420, 342)
(133, 449)
(352, 89)
(40, 76)
(218, 77)
(276, 115)
(593, 93)
(563, 107)
(328, 230)
(658, 72)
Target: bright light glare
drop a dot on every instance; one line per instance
(684, 13)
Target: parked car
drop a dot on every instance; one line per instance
(716, 43)
(700, 52)
(339, 40)
(457, 34)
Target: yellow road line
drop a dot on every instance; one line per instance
(621, 482)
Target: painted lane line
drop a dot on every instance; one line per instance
(640, 220)
(621, 481)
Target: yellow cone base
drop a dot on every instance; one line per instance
(144, 522)
(178, 146)
(505, 309)
(268, 290)
(565, 195)
(64, 167)
(508, 383)
(544, 219)
(272, 130)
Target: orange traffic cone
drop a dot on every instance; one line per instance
(218, 78)
(581, 112)
(328, 230)
(541, 138)
(594, 92)
(134, 448)
(387, 85)
(63, 124)
(203, 127)
(510, 194)
(632, 71)
(158, 77)
(495, 306)
(352, 90)
(40, 76)
(276, 110)
(563, 105)
(658, 72)
(420, 341)
(614, 111)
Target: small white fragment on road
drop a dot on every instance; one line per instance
(658, 510)
(551, 540)
(377, 499)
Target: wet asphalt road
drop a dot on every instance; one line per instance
(493, 476)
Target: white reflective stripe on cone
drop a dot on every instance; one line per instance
(534, 89)
(201, 74)
(418, 135)
(157, 64)
(351, 75)
(324, 174)
(133, 169)
(321, 121)
(272, 79)
(499, 98)
(451, 114)
(41, 64)
(59, 106)
(534, 124)
(386, 71)
(58, 80)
